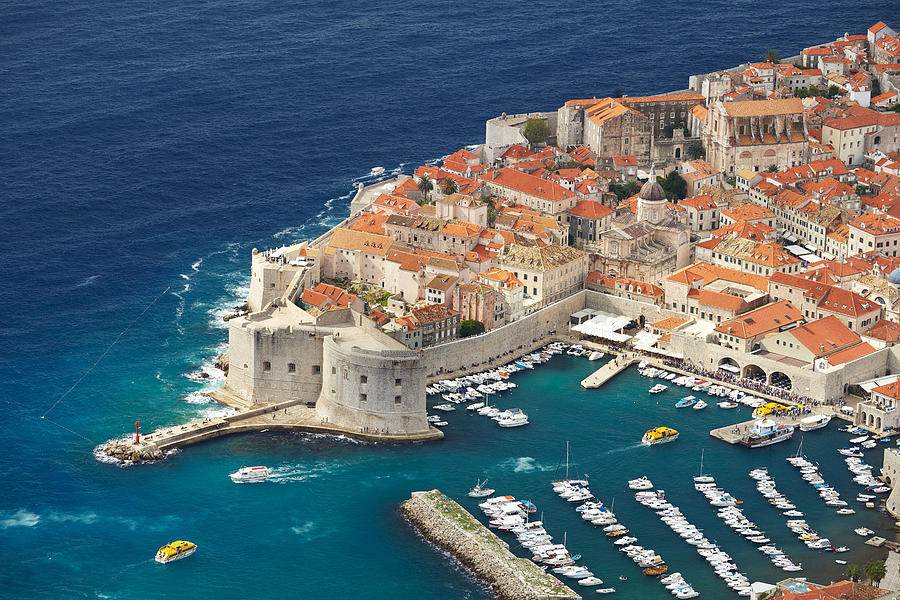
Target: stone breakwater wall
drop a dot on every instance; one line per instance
(450, 527)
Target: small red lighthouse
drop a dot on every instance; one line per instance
(137, 432)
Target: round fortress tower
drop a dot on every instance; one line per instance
(372, 390)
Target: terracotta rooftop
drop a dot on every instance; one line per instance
(770, 317)
(824, 335)
(760, 108)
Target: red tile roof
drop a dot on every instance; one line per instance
(590, 210)
(770, 317)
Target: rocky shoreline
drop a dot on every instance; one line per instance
(125, 451)
(450, 527)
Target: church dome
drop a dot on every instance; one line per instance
(652, 191)
(894, 277)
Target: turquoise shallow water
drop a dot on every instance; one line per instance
(328, 523)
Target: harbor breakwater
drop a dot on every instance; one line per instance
(447, 525)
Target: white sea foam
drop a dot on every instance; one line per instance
(197, 398)
(310, 530)
(88, 281)
(217, 411)
(20, 518)
(85, 518)
(293, 473)
(525, 464)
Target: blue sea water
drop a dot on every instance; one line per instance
(148, 147)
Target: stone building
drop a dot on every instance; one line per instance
(547, 273)
(476, 301)
(438, 323)
(646, 245)
(756, 134)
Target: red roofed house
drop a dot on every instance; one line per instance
(326, 297)
(814, 340)
(623, 287)
(534, 192)
(743, 333)
(698, 173)
(749, 213)
(879, 413)
(871, 232)
(586, 220)
(702, 212)
(819, 300)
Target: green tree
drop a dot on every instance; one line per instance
(470, 327)
(876, 87)
(674, 185)
(895, 108)
(862, 189)
(536, 130)
(833, 91)
(669, 129)
(425, 185)
(772, 169)
(695, 151)
(874, 570)
(492, 209)
(625, 190)
(772, 56)
(853, 572)
(803, 93)
(448, 186)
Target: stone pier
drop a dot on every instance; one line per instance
(286, 416)
(609, 370)
(449, 526)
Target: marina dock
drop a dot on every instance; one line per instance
(733, 433)
(446, 524)
(609, 370)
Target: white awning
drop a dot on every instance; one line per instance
(796, 250)
(729, 367)
(604, 325)
(810, 258)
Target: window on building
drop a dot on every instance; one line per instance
(398, 400)
(267, 366)
(363, 379)
(398, 381)
(363, 398)
(317, 369)
(292, 368)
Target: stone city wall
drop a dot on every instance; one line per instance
(499, 346)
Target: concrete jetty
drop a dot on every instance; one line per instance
(609, 370)
(286, 416)
(733, 433)
(449, 526)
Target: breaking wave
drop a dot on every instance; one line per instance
(525, 464)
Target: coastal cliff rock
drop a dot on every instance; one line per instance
(222, 363)
(450, 527)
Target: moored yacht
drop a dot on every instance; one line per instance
(766, 432)
(479, 491)
(814, 422)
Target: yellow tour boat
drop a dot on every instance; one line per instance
(175, 551)
(659, 435)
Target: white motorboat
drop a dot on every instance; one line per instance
(250, 475)
(608, 590)
(588, 581)
(376, 171)
(727, 405)
(445, 407)
(814, 422)
(700, 405)
(863, 531)
(659, 387)
(596, 355)
(475, 406)
(516, 420)
(859, 440)
(641, 483)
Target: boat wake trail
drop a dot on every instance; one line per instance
(634, 446)
(525, 464)
(293, 473)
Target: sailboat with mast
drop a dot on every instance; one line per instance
(702, 478)
(563, 485)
